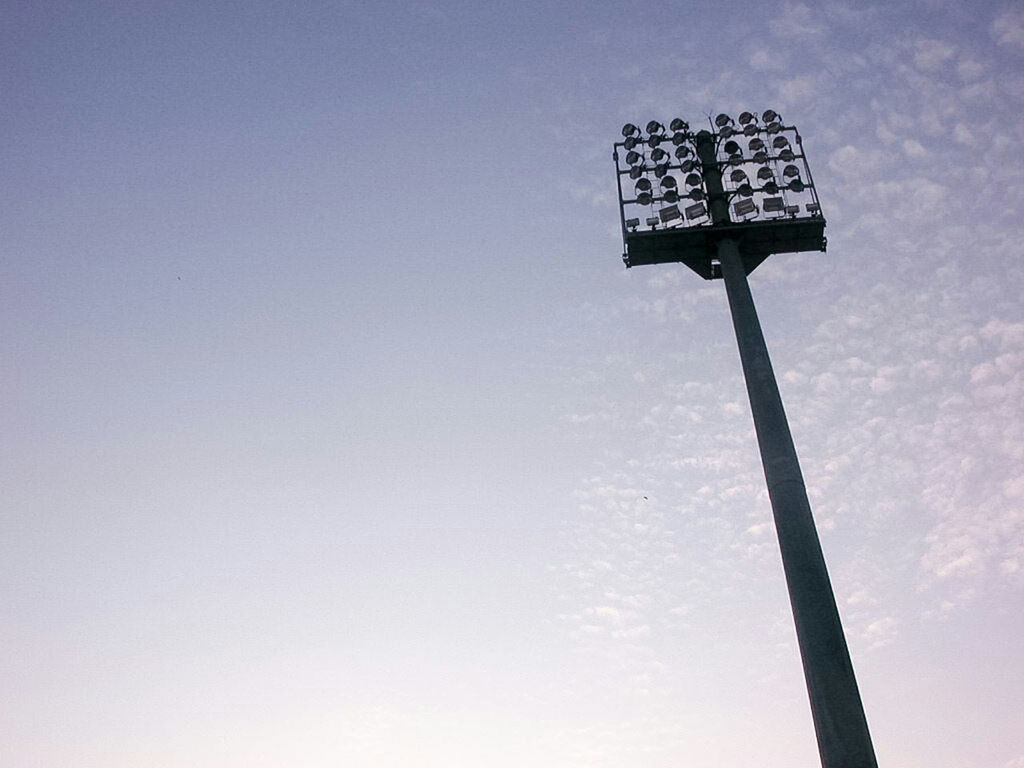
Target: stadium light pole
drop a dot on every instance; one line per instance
(722, 232)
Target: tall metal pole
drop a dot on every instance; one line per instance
(839, 722)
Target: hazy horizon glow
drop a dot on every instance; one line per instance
(335, 432)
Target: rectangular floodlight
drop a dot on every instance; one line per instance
(773, 204)
(669, 214)
(744, 208)
(696, 211)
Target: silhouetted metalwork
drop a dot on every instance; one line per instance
(728, 210)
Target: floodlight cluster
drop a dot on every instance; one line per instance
(651, 159)
(763, 174)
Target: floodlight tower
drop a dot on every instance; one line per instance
(728, 225)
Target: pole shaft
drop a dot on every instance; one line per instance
(839, 722)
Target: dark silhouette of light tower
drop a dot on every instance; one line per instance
(722, 223)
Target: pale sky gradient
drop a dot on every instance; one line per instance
(336, 434)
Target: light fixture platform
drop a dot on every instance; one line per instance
(697, 247)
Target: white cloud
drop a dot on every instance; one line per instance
(962, 134)
(641, 630)
(797, 89)
(881, 632)
(860, 597)
(796, 21)
(1014, 487)
(608, 612)
(794, 377)
(1008, 27)
(1008, 334)
(764, 60)
(913, 148)
(826, 383)
(881, 385)
(930, 55)
(856, 162)
(970, 69)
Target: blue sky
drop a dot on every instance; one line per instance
(335, 432)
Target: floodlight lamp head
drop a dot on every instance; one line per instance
(630, 130)
(634, 158)
(745, 190)
(630, 142)
(644, 198)
(731, 148)
(681, 151)
(679, 125)
(671, 196)
(696, 211)
(746, 118)
(770, 116)
(737, 177)
(770, 188)
(655, 127)
(693, 180)
(637, 171)
(644, 185)
(696, 194)
(796, 185)
(658, 155)
(668, 182)
(671, 213)
(744, 208)
(791, 172)
(780, 142)
(787, 155)
(755, 144)
(722, 120)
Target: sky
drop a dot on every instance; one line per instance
(335, 432)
